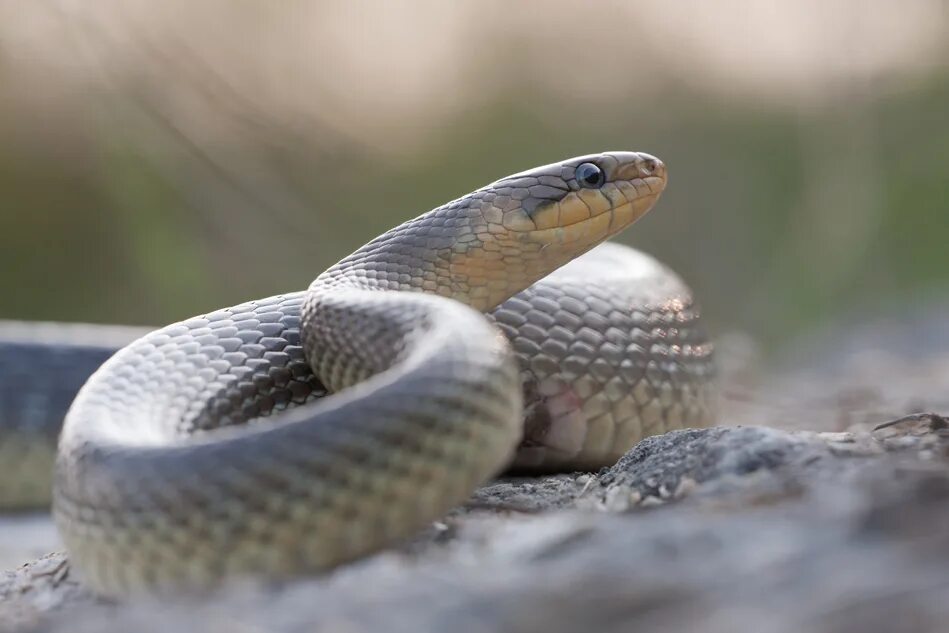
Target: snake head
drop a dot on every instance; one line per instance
(529, 224)
(582, 200)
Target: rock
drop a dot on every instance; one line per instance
(37, 589)
(719, 529)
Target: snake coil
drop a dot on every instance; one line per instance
(205, 450)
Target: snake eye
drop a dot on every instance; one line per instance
(589, 175)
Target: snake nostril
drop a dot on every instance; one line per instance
(649, 166)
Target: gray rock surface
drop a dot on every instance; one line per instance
(715, 530)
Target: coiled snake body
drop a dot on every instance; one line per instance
(171, 474)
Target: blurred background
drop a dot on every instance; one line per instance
(159, 160)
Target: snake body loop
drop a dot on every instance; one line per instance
(172, 474)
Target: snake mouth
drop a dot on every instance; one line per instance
(566, 195)
(593, 214)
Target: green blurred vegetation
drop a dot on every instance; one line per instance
(779, 216)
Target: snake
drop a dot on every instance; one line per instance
(289, 435)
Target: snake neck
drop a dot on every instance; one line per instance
(380, 306)
(461, 250)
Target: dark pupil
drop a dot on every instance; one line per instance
(590, 175)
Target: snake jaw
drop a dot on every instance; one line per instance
(518, 220)
(632, 184)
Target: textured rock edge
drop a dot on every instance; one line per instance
(717, 528)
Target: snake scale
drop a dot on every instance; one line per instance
(490, 332)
